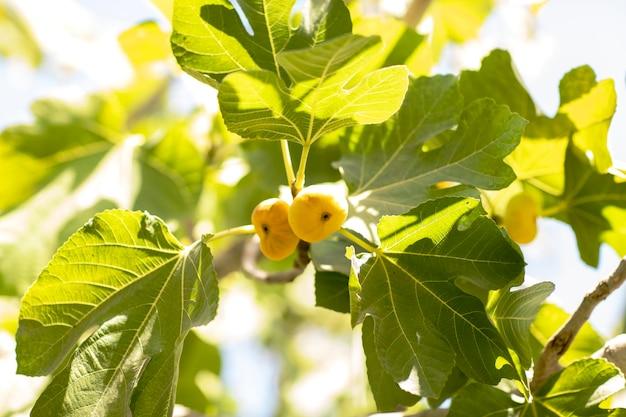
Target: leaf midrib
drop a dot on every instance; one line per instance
(62, 337)
(139, 331)
(443, 302)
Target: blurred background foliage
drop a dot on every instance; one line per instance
(139, 134)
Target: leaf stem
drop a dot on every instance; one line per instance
(415, 11)
(284, 147)
(248, 229)
(368, 246)
(301, 168)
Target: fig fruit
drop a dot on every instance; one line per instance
(317, 212)
(520, 218)
(271, 223)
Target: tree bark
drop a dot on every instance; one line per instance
(548, 362)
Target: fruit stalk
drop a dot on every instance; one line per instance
(284, 147)
(248, 229)
(299, 183)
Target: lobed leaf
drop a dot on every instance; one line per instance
(210, 39)
(327, 94)
(109, 315)
(424, 323)
(393, 167)
(575, 391)
(514, 312)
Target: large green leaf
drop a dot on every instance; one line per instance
(329, 93)
(498, 79)
(589, 105)
(576, 188)
(483, 400)
(109, 315)
(391, 168)
(575, 391)
(424, 323)
(331, 291)
(513, 312)
(210, 39)
(320, 20)
(387, 394)
(594, 204)
(585, 112)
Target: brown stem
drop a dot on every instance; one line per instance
(415, 12)
(249, 264)
(229, 259)
(614, 351)
(548, 362)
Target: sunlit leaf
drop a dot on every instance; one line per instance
(593, 204)
(498, 79)
(145, 43)
(590, 106)
(390, 168)
(328, 94)
(109, 314)
(210, 39)
(513, 313)
(575, 391)
(422, 320)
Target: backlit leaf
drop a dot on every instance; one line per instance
(109, 315)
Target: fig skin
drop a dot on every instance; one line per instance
(317, 212)
(520, 218)
(271, 224)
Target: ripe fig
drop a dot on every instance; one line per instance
(520, 218)
(270, 220)
(318, 211)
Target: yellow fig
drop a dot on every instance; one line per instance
(520, 218)
(270, 220)
(318, 211)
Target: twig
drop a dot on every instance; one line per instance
(229, 259)
(251, 254)
(548, 362)
(415, 12)
(614, 351)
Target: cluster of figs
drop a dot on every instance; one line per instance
(316, 212)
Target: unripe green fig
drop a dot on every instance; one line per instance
(271, 224)
(317, 212)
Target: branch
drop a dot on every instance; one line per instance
(558, 344)
(229, 259)
(249, 263)
(614, 351)
(415, 12)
